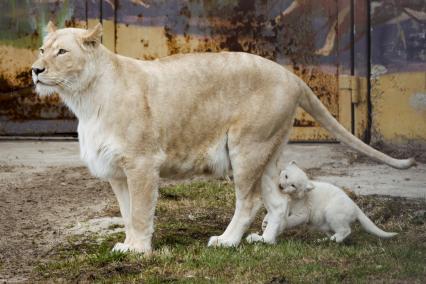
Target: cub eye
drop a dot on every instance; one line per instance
(286, 176)
(41, 50)
(292, 185)
(62, 51)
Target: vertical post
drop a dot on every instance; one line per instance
(108, 21)
(361, 42)
(344, 47)
(93, 13)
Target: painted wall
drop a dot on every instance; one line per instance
(398, 73)
(321, 40)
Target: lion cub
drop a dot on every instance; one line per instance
(323, 206)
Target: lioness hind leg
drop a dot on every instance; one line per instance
(248, 203)
(247, 167)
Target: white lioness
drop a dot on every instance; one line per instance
(323, 206)
(184, 114)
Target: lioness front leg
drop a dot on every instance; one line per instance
(142, 180)
(121, 191)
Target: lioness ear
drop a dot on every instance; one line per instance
(51, 28)
(310, 186)
(93, 36)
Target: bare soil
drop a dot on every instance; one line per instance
(37, 207)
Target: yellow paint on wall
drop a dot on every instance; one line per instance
(399, 107)
(14, 61)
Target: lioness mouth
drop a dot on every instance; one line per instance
(42, 83)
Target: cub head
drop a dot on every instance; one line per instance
(65, 63)
(294, 181)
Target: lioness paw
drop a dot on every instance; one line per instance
(121, 247)
(252, 238)
(217, 241)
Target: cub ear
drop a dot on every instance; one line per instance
(51, 28)
(292, 163)
(310, 186)
(93, 36)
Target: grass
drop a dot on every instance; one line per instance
(189, 214)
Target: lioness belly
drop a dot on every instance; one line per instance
(213, 159)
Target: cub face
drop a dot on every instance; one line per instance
(294, 181)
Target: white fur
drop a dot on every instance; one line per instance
(99, 151)
(219, 158)
(323, 206)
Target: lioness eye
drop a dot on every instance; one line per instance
(62, 51)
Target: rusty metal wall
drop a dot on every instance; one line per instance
(152, 29)
(22, 25)
(398, 73)
(267, 28)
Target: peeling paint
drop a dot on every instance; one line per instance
(399, 108)
(418, 102)
(377, 70)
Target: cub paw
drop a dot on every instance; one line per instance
(264, 224)
(252, 238)
(323, 240)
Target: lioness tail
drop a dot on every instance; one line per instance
(311, 104)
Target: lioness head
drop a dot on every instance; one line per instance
(65, 61)
(294, 181)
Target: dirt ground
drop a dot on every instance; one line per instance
(37, 210)
(45, 193)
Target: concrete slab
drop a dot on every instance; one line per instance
(338, 164)
(40, 153)
(334, 163)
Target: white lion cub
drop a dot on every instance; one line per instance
(323, 206)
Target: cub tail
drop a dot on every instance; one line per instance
(371, 228)
(311, 104)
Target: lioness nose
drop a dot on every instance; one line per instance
(38, 70)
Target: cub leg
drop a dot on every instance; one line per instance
(265, 222)
(341, 234)
(275, 203)
(339, 216)
(297, 218)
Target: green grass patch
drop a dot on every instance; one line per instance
(187, 215)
